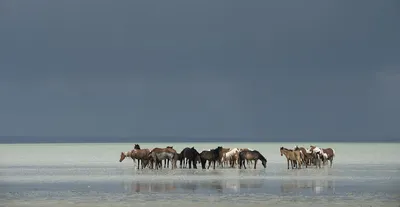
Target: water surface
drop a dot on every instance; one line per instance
(90, 175)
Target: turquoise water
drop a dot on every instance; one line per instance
(90, 175)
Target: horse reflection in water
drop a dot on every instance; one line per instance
(149, 187)
(316, 186)
(193, 186)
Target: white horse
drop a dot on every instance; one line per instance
(319, 155)
(227, 157)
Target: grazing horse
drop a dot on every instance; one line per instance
(326, 154)
(140, 154)
(251, 155)
(292, 156)
(212, 156)
(160, 154)
(230, 157)
(308, 156)
(190, 154)
(247, 149)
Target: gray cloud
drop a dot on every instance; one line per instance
(200, 69)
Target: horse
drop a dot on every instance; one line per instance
(326, 154)
(308, 156)
(191, 155)
(291, 155)
(221, 155)
(212, 156)
(159, 154)
(229, 156)
(251, 155)
(247, 149)
(140, 154)
(166, 161)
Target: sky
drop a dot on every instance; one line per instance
(260, 70)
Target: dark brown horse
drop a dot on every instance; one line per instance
(140, 154)
(251, 155)
(210, 156)
(191, 155)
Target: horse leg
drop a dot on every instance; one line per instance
(203, 163)
(331, 160)
(244, 164)
(194, 164)
(214, 162)
(190, 164)
(255, 164)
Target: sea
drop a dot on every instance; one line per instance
(90, 174)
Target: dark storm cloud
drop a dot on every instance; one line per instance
(263, 70)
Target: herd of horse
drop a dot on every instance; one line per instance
(189, 157)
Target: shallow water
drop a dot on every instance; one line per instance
(90, 175)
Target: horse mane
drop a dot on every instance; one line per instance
(282, 148)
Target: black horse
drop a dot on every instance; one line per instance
(251, 155)
(191, 155)
(211, 156)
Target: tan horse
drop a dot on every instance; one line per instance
(307, 160)
(292, 156)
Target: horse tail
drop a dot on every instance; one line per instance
(333, 153)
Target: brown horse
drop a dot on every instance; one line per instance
(140, 154)
(251, 155)
(159, 154)
(307, 160)
(247, 149)
(292, 156)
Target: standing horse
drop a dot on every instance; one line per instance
(212, 156)
(140, 154)
(166, 161)
(326, 154)
(251, 155)
(229, 157)
(292, 156)
(191, 155)
(160, 154)
(221, 155)
(307, 160)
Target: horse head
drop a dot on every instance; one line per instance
(170, 147)
(264, 162)
(281, 151)
(123, 155)
(136, 146)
